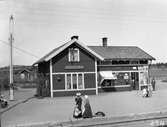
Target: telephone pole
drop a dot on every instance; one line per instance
(11, 39)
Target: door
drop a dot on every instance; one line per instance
(135, 80)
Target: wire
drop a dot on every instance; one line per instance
(22, 50)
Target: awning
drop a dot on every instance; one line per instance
(107, 75)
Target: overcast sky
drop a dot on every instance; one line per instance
(41, 25)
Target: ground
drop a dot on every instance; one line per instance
(61, 108)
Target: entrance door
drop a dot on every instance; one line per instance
(135, 80)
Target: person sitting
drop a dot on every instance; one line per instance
(145, 92)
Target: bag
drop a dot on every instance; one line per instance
(100, 114)
(77, 113)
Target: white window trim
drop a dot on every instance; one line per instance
(74, 90)
(83, 81)
(65, 82)
(69, 56)
(71, 74)
(77, 80)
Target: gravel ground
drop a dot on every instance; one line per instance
(112, 104)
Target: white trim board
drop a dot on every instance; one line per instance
(74, 90)
(73, 72)
(116, 86)
(51, 79)
(96, 82)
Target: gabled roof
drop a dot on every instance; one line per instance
(121, 52)
(56, 51)
(24, 70)
(102, 53)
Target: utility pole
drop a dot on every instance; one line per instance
(11, 88)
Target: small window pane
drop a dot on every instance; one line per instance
(74, 81)
(80, 82)
(68, 81)
(74, 55)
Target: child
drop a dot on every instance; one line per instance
(145, 92)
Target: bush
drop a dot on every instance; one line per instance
(42, 86)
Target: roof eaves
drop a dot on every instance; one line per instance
(58, 50)
(54, 53)
(47, 55)
(151, 58)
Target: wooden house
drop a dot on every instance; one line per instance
(75, 67)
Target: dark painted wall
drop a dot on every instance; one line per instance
(73, 93)
(61, 63)
(90, 81)
(59, 82)
(44, 67)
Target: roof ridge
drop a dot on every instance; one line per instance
(110, 46)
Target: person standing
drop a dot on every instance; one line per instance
(78, 106)
(153, 83)
(87, 111)
(78, 101)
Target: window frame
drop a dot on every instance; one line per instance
(71, 76)
(69, 55)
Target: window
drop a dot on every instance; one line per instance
(122, 78)
(68, 81)
(80, 81)
(143, 61)
(134, 62)
(120, 62)
(75, 81)
(73, 55)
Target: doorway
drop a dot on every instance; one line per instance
(135, 80)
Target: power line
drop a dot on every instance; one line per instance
(22, 50)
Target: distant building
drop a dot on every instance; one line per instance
(24, 76)
(74, 67)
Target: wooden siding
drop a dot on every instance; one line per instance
(62, 64)
(59, 82)
(43, 67)
(73, 93)
(90, 81)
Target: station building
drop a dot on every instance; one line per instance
(75, 67)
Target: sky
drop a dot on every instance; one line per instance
(40, 26)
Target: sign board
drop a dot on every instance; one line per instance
(74, 67)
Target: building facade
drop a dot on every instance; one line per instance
(75, 67)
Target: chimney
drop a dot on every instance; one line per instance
(104, 41)
(74, 37)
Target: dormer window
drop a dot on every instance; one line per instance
(74, 55)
